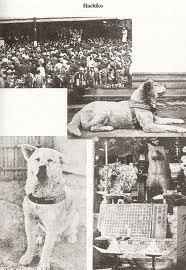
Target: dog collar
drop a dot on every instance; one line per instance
(50, 200)
(139, 105)
(134, 118)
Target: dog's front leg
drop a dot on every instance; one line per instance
(152, 127)
(146, 121)
(167, 121)
(101, 128)
(99, 123)
(31, 231)
(50, 240)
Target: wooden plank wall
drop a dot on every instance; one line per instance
(173, 81)
(12, 163)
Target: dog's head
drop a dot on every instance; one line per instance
(152, 89)
(157, 152)
(148, 92)
(45, 167)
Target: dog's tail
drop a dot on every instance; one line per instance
(73, 126)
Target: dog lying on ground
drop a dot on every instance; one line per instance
(49, 204)
(138, 112)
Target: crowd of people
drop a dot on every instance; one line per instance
(68, 61)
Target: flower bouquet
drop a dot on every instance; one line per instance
(117, 178)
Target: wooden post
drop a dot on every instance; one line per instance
(106, 153)
(35, 32)
(106, 164)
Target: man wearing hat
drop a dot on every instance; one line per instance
(79, 83)
(29, 80)
(38, 81)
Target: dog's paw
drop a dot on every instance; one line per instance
(26, 259)
(72, 238)
(43, 266)
(108, 128)
(73, 130)
(39, 240)
(180, 121)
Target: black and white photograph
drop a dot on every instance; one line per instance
(43, 203)
(80, 54)
(104, 72)
(139, 203)
(155, 106)
(92, 135)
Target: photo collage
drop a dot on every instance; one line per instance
(135, 124)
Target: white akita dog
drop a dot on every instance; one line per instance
(48, 205)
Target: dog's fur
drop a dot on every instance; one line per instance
(106, 116)
(159, 173)
(55, 219)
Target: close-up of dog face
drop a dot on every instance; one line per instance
(44, 165)
(153, 89)
(148, 92)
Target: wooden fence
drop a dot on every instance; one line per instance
(13, 164)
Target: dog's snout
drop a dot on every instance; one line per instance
(42, 167)
(42, 174)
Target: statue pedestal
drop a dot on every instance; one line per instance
(172, 246)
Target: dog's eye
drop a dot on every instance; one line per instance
(50, 160)
(38, 159)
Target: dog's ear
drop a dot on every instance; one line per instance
(147, 86)
(147, 94)
(27, 150)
